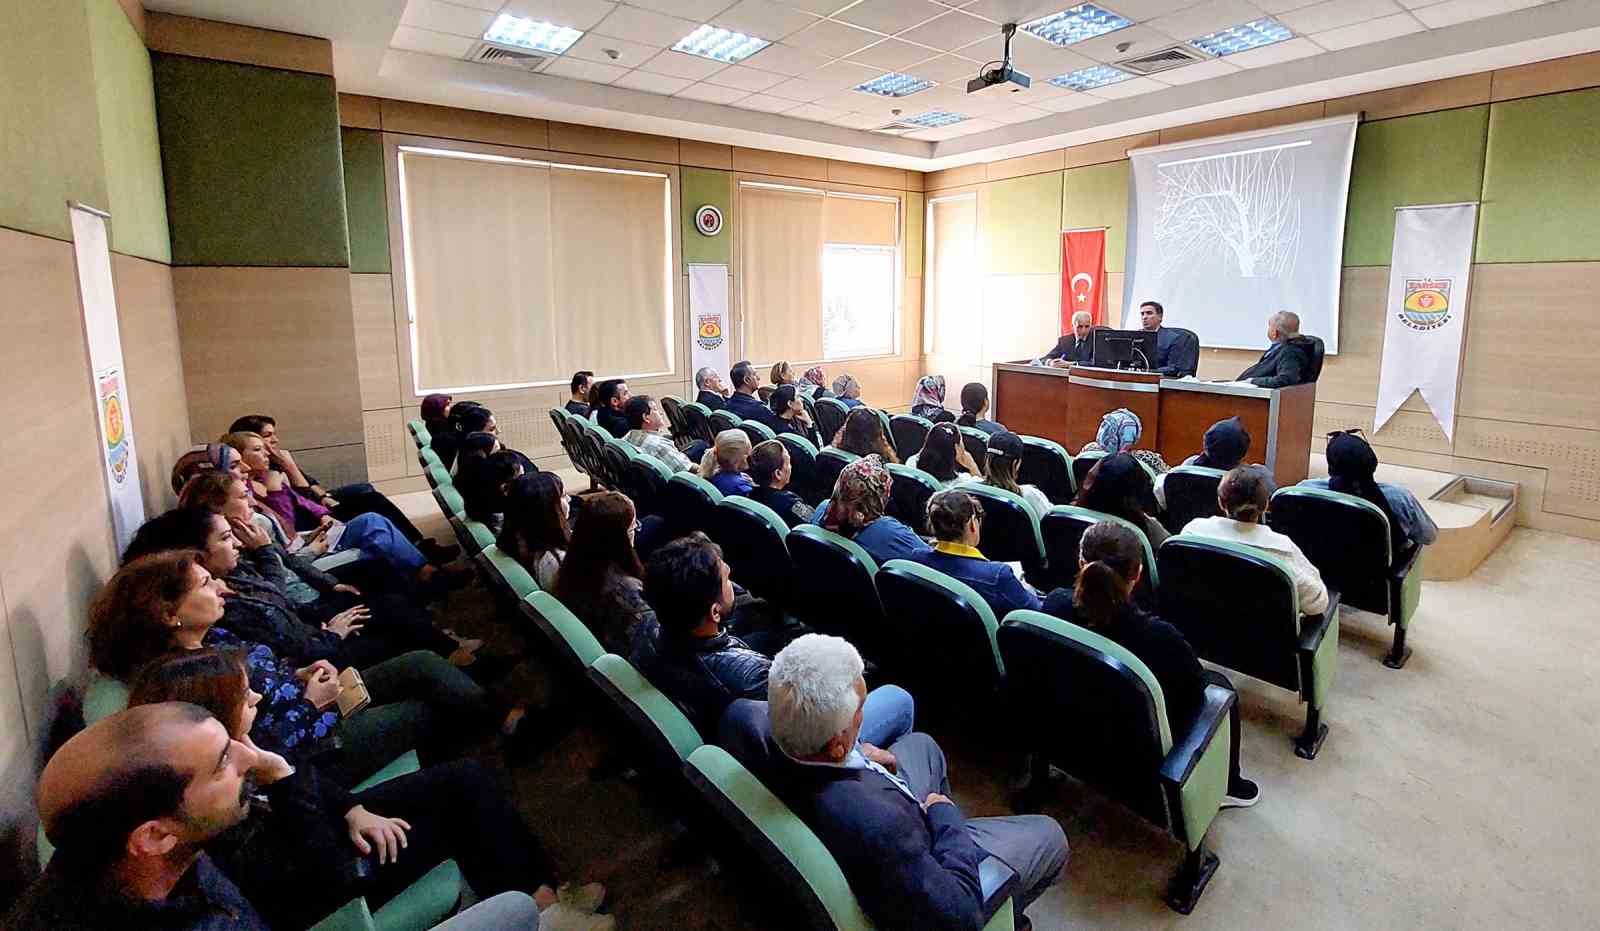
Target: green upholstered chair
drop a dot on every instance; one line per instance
(1047, 466)
(475, 536)
(1190, 493)
(803, 469)
(426, 457)
(909, 432)
(572, 643)
(650, 717)
(419, 433)
(643, 479)
(883, 418)
(1010, 529)
(615, 455)
(1347, 539)
(976, 443)
(757, 431)
(831, 413)
(834, 590)
(698, 417)
(103, 697)
(437, 475)
(908, 496)
(831, 460)
(1063, 530)
(1092, 708)
(687, 502)
(942, 635)
(505, 574)
(672, 406)
(1083, 463)
(559, 417)
(753, 544)
(1237, 606)
(723, 420)
(423, 904)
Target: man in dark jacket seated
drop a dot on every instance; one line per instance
(713, 393)
(1288, 361)
(910, 856)
(687, 652)
(744, 402)
(610, 399)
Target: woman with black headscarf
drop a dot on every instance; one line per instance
(1352, 469)
(1225, 446)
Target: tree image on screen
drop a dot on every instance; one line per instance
(1238, 211)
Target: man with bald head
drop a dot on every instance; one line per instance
(130, 803)
(1288, 361)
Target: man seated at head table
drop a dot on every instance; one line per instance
(1288, 361)
(1177, 350)
(1072, 347)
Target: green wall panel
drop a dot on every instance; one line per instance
(1097, 195)
(1021, 223)
(129, 142)
(1431, 158)
(252, 163)
(1542, 182)
(916, 216)
(714, 187)
(49, 128)
(366, 201)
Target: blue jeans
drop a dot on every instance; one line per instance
(889, 714)
(375, 536)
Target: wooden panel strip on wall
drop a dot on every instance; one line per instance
(1036, 164)
(1262, 119)
(148, 320)
(955, 177)
(245, 45)
(782, 164)
(1547, 77)
(420, 119)
(1464, 91)
(358, 112)
(1109, 150)
(705, 154)
(377, 356)
(869, 175)
(613, 143)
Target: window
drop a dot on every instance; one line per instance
(953, 326)
(819, 273)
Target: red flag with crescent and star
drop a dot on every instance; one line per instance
(1083, 273)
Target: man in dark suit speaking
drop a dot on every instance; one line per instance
(1072, 347)
(1288, 361)
(1177, 349)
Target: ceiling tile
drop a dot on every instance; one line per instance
(594, 47)
(763, 18)
(654, 83)
(447, 17)
(1283, 6)
(950, 31)
(1129, 88)
(974, 126)
(1141, 10)
(890, 16)
(766, 103)
(892, 54)
(493, 5)
(712, 93)
(1016, 11)
(431, 43)
(1072, 100)
(832, 39)
(651, 28)
(1334, 14)
(1459, 11)
(1006, 116)
(800, 89)
(746, 79)
(819, 7)
(1205, 18)
(852, 101)
(1298, 47)
(785, 59)
(1199, 71)
(1039, 59)
(680, 65)
(810, 111)
(578, 69)
(1373, 30)
(1408, 4)
(698, 10)
(579, 14)
(858, 121)
(945, 68)
(843, 74)
(1141, 40)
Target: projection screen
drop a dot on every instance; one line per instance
(1226, 230)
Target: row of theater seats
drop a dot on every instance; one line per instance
(705, 785)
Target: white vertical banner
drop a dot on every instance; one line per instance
(1425, 318)
(708, 318)
(108, 380)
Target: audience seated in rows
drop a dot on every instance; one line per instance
(789, 414)
(471, 417)
(1244, 496)
(957, 521)
(974, 404)
(347, 502)
(909, 854)
(862, 434)
(1352, 467)
(1118, 485)
(725, 463)
(857, 508)
(536, 532)
(483, 485)
(744, 403)
(770, 469)
(601, 579)
(710, 391)
(609, 400)
(461, 418)
(782, 374)
(944, 456)
(1000, 467)
(1224, 446)
(847, 390)
(928, 399)
(315, 845)
(813, 384)
(1119, 433)
(647, 426)
(1110, 562)
(435, 415)
(578, 403)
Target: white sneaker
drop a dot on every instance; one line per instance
(563, 917)
(585, 898)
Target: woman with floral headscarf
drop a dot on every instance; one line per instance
(813, 384)
(928, 401)
(857, 509)
(847, 390)
(206, 457)
(1119, 433)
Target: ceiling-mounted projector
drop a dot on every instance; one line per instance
(1004, 76)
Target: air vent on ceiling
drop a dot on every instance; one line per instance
(489, 53)
(1164, 60)
(897, 128)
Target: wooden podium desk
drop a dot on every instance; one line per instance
(1066, 405)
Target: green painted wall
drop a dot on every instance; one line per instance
(1542, 183)
(366, 201)
(1097, 195)
(1021, 222)
(49, 129)
(129, 142)
(1431, 158)
(714, 187)
(253, 169)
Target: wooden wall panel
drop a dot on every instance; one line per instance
(705, 154)
(148, 319)
(1109, 150)
(1570, 457)
(377, 357)
(1464, 91)
(1547, 77)
(359, 112)
(334, 465)
(1038, 163)
(245, 45)
(387, 443)
(782, 164)
(420, 119)
(955, 177)
(869, 175)
(613, 143)
(1262, 119)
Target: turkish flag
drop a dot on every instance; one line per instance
(1083, 273)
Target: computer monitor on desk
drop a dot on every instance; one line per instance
(1123, 349)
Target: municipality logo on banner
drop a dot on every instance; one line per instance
(1424, 325)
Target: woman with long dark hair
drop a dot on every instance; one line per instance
(974, 404)
(537, 531)
(1120, 486)
(944, 456)
(862, 434)
(601, 579)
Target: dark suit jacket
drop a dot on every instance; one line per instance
(1286, 363)
(907, 868)
(749, 407)
(1177, 352)
(612, 422)
(1068, 347)
(712, 400)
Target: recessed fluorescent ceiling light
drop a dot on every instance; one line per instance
(894, 84)
(720, 44)
(1084, 21)
(531, 34)
(934, 118)
(1254, 34)
(1091, 77)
